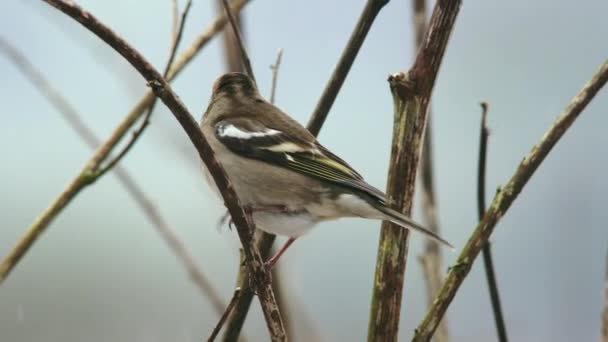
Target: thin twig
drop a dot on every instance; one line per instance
(74, 119)
(162, 89)
(231, 45)
(275, 74)
(484, 132)
(85, 177)
(431, 261)
(237, 319)
(503, 200)
(371, 10)
(227, 311)
(411, 95)
(175, 22)
(239, 39)
(146, 121)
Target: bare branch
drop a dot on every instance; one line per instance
(239, 40)
(411, 95)
(86, 176)
(275, 75)
(163, 90)
(146, 121)
(501, 329)
(229, 308)
(71, 115)
(371, 10)
(175, 22)
(503, 200)
(231, 45)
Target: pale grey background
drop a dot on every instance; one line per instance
(101, 273)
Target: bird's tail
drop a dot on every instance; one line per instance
(406, 222)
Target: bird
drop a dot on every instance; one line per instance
(282, 175)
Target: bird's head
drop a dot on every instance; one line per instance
(235, 85)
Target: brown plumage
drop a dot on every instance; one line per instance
(280, 171)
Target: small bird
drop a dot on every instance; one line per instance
(283, 176)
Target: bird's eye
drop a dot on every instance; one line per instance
(259, 100)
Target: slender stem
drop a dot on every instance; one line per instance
(231, 45)
(503, 200)
(75, 120)
(371, 10)
(235, 322)
(411, 95)
(146, 121)
(220, 323)
(239, 40)
(275, 75)
(174, 21)
(431, 259)
(484, 132)
(237, 319)
(86, 176)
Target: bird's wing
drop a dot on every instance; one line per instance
(252, 139)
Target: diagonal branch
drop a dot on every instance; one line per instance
(146, 121)
(163, 90)
(231, 45)
(411, 94)
(239, 40)
(371, 10)
(86, 176)
(74, 119)
(501, 329)
(503, 200)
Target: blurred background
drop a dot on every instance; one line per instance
(102, 273)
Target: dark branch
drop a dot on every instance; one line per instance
(232, 51)
(163, 90)
(503, 200)
(229, 308)
(501, 329)
(371, 10)
(239, 40)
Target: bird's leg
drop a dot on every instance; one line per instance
(272, 261)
